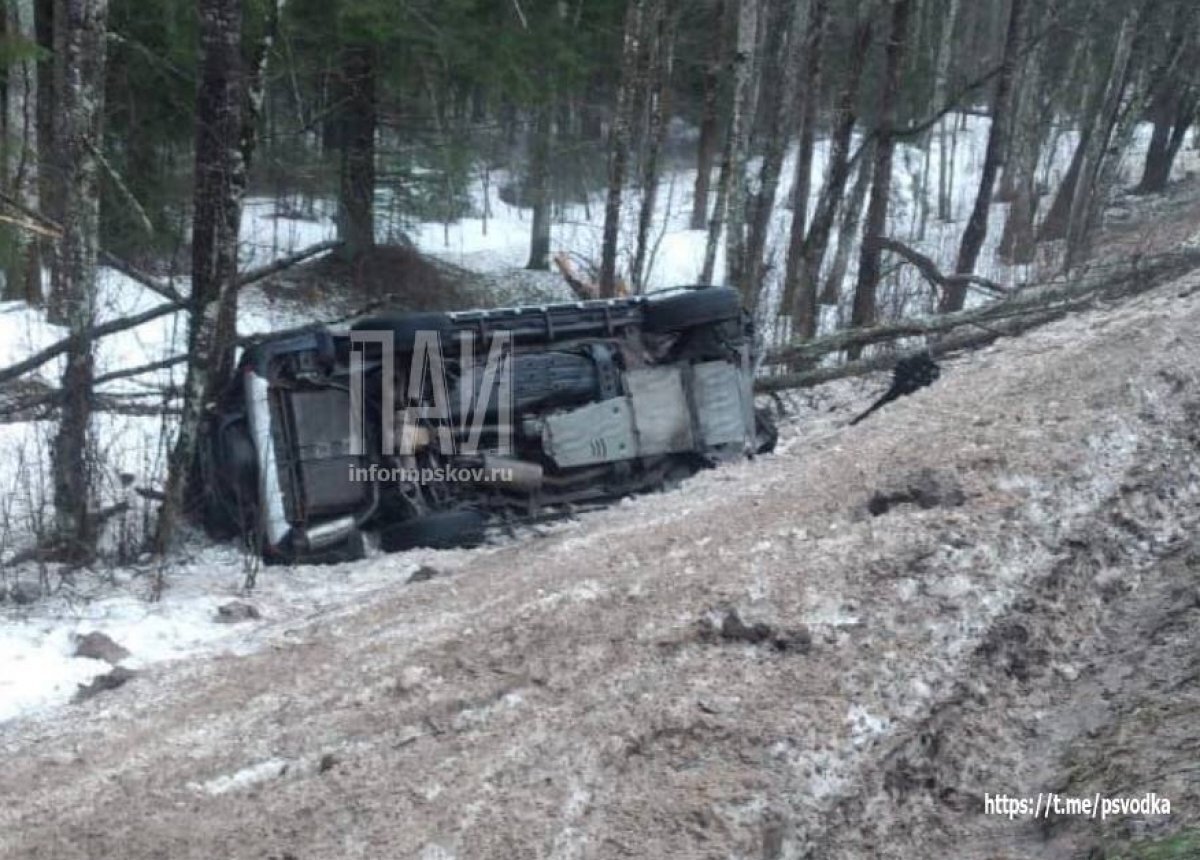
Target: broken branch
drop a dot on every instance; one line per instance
(929, 269)
(1015, 314)
(112, 327)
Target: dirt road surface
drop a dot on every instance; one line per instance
(836, 651)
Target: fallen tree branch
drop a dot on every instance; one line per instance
(1014, 316)
(125, 323)
(1058, 298)
(579, 287)
(57, 348)
(166, 290)
(253, 276)
(930, 271)
(50, 397)
(138, 210)
(31, 226)
(127, 372)
(49, 227)
(886, 361)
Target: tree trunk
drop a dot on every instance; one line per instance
(717, 220)
(739, 136)
(1080, 223)
(662, 64)
(806, 253)
(945, 166)
(809, 95)
(79, 37)
(710, 128)
(539, 187)
(216, 218)
(1018, 242)
(1173, 115)
(848, 232)
(619, 137)
(863, 311)
(1054, 225)
(782, 74)
(997, 152)
(22, 276)
(43, 25)
(356, 216)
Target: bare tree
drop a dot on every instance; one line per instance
(806, 253)
(539, 185)
(863, 311)
(740, 121)
(848, 231)
(619, 137)
(1173, 116)
(1173, 100)
(780, 73)
(357, 116)
(976, 230)
(662, 61)
(217, 209)
(1032, 118)
(808, 93)
(1085, 191)
(710, 127)
(79, 39)
(945, 54)
(22, 276)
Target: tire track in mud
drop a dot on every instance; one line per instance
(1058, 686)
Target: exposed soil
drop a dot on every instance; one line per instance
(990, 586)
(394, 275)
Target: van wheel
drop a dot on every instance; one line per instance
(405, 327)
(696, 308)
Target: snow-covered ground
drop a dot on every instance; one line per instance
(38, 641)
(36, 666)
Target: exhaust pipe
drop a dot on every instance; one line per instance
(509, 472)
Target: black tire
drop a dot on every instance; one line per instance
(689, 310)
(436, 531)
(404, 327)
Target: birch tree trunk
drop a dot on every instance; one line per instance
(79, 37)
(781, 71)
(661, 67)
(619, 139)
(976, 230)
(43, 26)
(941, 79)
(740, 125)
(863, 311)
(22, 276)
(806, 253)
